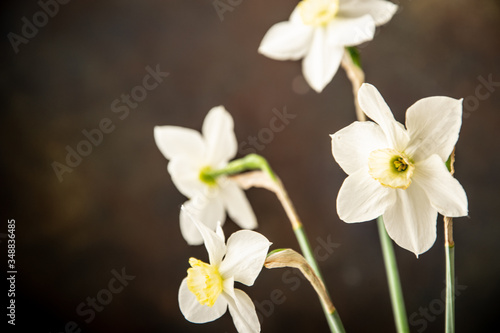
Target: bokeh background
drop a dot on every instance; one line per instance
(118, 209)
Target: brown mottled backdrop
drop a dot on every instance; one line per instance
(118, 208)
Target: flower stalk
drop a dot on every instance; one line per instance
(247, 163)
(263, 180)
(289, 258)
(449, 248)
(393, 281)
(352, 65)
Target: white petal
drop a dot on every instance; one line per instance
(237, 204)
(295, 17)
(433, 124)
(375, 107)
(243, 312)
(175, 141)
(219, 232)
(322, 61)
(380, 10)
(219, 137)
(411, 221)
(196, 312)
(228, 286)
(445, 192)
(351, 31)
(352, 145)
(206, 209)
(286, 41)
(362, 198)
(245, 256)
(185, 173)
(214, 241)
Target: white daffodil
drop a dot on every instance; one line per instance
(208, 290)
(191, 156)
(319, 30)
(401, 173)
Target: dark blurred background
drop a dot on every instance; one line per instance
(117, 210)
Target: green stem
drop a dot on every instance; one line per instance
(305, 247)
(335, 322)
(450, 288)
(257, 162)
(449, 248)
(249, 162)
(332, 317)
(391, 268)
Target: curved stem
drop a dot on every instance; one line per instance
(261, 179)
(290, 258)
(331, 314)
(249, 162)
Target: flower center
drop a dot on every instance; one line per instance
(400, 164)
(391, 168)
(206, 177)
(318, 12)
(204, 281)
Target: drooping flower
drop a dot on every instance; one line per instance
(208, 290)
(192, 155)
(319, 30)
(400, 173)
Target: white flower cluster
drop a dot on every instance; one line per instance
(395, 171)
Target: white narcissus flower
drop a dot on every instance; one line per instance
(208, 290)
(401, 173)
(191, 154)
(319, 30)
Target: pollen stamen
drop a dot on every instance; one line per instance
(400, 164)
